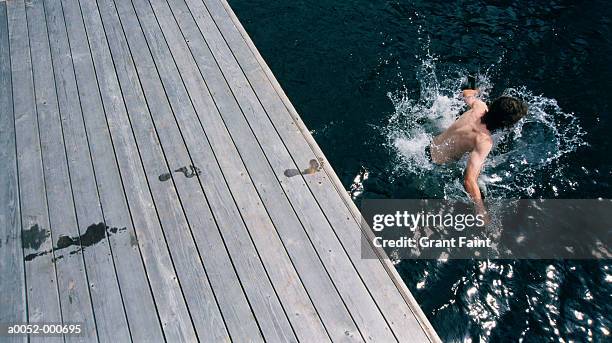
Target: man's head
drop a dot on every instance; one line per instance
(504, 112)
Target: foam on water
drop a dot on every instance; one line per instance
(525, 161)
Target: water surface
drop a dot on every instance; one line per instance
(373, 80)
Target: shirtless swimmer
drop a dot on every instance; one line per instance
(471, 133)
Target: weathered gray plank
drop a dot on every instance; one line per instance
(42, 293)
(135, 289)
(292, 295)
(86, 133)
(355, 294)
(324, 296)
(399, 315)
(12, 282)
(71, 274)
(392, 310)
(327, 193)
(253, 250)
(148, 236)
(204, 311)
(374, 276)
(282, 269)
(232, 302)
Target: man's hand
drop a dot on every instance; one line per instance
(470, 92)
(476, 105)
(469, 96)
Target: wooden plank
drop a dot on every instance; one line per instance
(80, 167)
(295, 300)
(316, 280)
(86, 178)
(359, 302)
(234, 306)
(130, 270)
(373, 276)
(271, 318)
(205, 313)
(279, 269)
(233, 303)
(375, 273)
(71, 273)
(42, 293)
(228, 212)
(148, 236)
(12, 282)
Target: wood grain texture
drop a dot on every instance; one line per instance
(129, 160)
(362, 307)
(12, 282)
(277, 264)
(101, 198)
(200, 37)
(209, 189)
(41, 281)
(71, 271)
(393, 298)
(144, 155)
(200, 298)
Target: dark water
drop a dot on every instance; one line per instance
(364, 74)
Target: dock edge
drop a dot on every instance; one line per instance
(384, 259)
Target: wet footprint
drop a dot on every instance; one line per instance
(94, 234)
(314, 167)
(164, 177)
(291, 172)
(189, 172)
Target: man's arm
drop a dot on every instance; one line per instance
(474, 165)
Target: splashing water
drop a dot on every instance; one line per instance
(528, 160)
(525, 161)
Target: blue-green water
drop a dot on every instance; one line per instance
(364, 76)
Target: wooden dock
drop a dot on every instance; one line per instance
(156, 184)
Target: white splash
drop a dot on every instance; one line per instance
(521, 158)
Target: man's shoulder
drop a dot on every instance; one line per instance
(483, 137)
(483, 140)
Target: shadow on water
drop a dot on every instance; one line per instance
(95, 233)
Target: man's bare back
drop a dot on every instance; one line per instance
(471, 133)
(462, 136)
(468, 134)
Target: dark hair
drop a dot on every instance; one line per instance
(504, 112)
